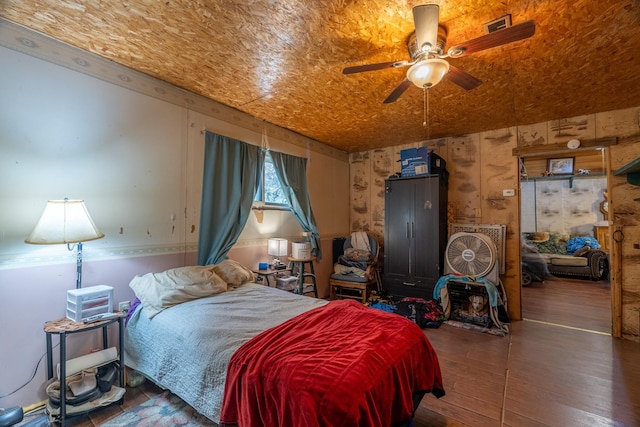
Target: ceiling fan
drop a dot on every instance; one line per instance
(428, 65)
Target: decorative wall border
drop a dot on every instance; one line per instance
(63, 256)
(60, 255)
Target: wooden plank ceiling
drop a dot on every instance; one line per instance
(282, 61)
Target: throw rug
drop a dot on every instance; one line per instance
(164, 410)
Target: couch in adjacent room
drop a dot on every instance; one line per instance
(578, 257)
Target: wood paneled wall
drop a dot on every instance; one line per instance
(482, 165)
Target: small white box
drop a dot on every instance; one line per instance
(86, 302)
(300, 250)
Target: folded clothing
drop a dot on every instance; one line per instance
(345, 269)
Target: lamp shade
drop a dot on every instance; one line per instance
(428, 72)
(64, 221)
(277, 247)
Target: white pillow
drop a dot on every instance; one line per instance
(234, 273)
(158, 291)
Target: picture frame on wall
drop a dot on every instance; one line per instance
(561, 166)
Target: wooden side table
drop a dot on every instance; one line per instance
(265, 275)
(65, 327)
(270, 273)
(299, 264)
(602, 236)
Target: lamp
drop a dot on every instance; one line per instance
(277, 247)
(428, 72)
(65, 221)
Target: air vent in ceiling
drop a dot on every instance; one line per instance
(498, 24)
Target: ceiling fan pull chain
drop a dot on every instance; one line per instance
(425, 103)
(424, 107)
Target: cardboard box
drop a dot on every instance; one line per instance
(414, 161)
(421, 161)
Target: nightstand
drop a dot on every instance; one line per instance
(64, 327)
(266, 275)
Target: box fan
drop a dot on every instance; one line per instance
(472, 254)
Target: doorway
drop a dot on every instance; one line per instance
(565, 239)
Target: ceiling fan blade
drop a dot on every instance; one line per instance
(462, 78)
(425, 20)
(374, 67)
(498, 38)
(399, 90)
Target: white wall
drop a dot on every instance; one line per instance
(65, 134)
(136, 160)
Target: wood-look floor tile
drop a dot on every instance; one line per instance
(538, 375)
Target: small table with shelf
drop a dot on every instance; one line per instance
(266, 275)
(299, 264)
(64, 327)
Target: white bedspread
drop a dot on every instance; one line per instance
(186, 348)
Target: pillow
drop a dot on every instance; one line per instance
(157, 291)
(582, 251)
(234, 273)
(353, 254)
(539, 236)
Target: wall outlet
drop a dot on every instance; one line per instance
(510, 192)
(123, 306)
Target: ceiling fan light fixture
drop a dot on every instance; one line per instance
(428, 72)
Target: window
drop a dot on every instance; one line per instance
(271, 191)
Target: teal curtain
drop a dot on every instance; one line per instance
(232, 176)
(292, 173)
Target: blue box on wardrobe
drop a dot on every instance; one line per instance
(421, 161)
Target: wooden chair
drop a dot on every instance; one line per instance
(352, 286)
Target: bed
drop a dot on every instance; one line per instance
(255, 355)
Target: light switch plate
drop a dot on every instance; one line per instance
(509, 192)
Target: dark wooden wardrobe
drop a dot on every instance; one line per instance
(415, 234)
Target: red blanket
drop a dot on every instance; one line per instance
(342, 364)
